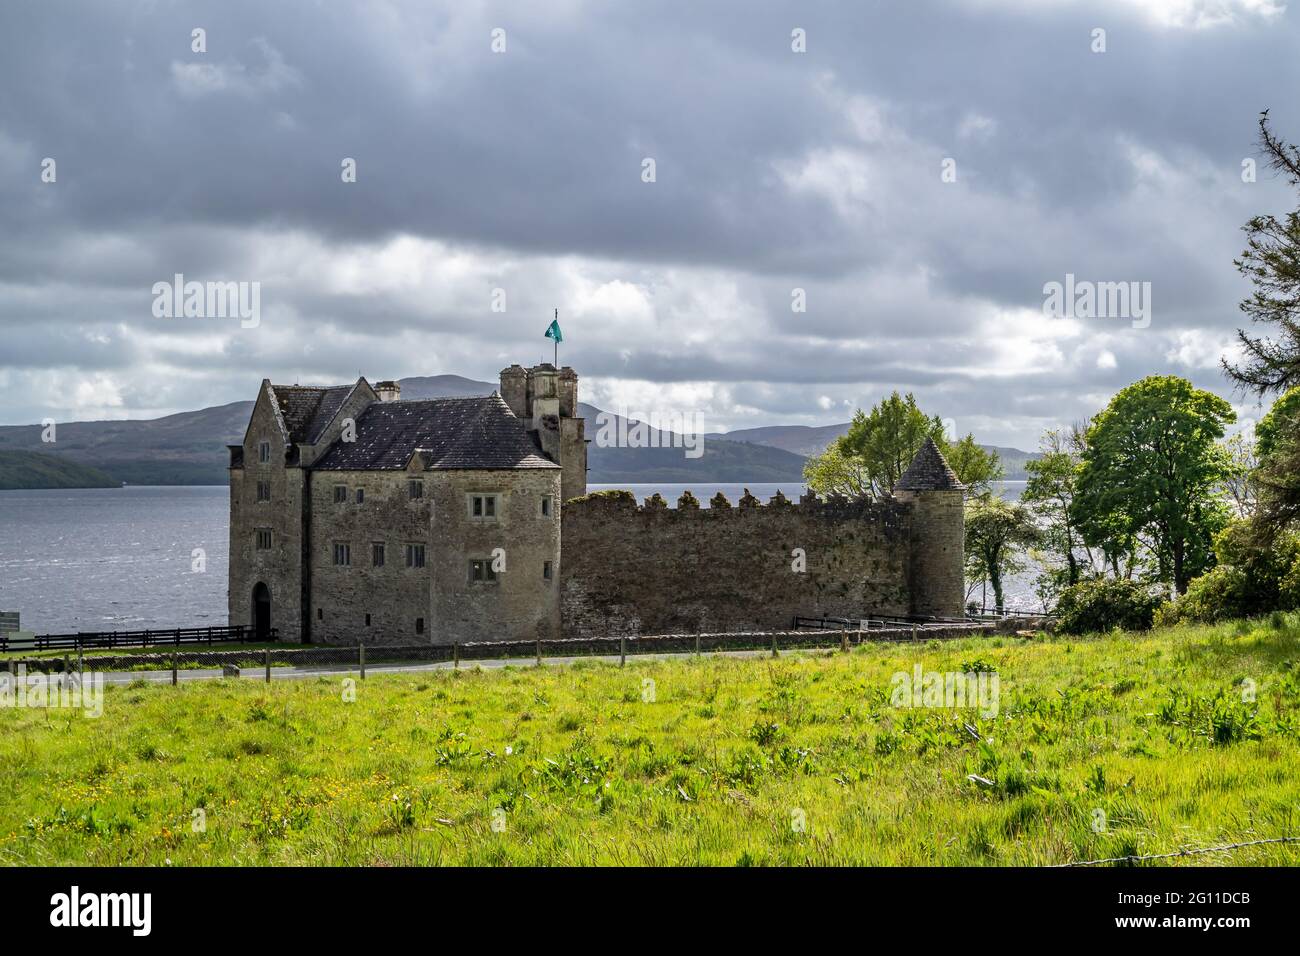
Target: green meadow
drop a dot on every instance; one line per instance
(1109, 746)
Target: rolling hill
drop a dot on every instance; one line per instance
(188, 448)
(29, 469)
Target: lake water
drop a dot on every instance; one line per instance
(100, 559)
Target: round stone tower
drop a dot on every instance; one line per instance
(937, 534)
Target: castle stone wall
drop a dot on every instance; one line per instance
(394, 596)
(280, 566)
(651, 569)
(521, 603)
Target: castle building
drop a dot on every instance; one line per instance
(357, 516)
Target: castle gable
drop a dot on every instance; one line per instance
(308, 409)
(449, 433)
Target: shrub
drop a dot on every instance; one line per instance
(1256, 574)
(1222, 592)
(1105, 603)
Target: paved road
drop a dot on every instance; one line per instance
(334, 670)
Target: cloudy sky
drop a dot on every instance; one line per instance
(523, 170)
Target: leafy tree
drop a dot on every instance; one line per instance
(834, 472)
(1049, 495)
(1279, 421)
(977, 467)
(871, 457)
(1151, 475)
(1276, 481)
(1271, 262)
(1240, 480)
(997, 532)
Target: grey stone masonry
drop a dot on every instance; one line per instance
(357, 517)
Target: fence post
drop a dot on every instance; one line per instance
(175, 667)
(913, 632)
(844, 640)
(268, 665)
(622, 651)
(697, 645)
(361, 657)
(539, 652)
(455, 654)
(774, 645)
(67, 664)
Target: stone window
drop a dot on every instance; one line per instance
(264, 452)
(483, 507)
(419, 625)
(340, 494)
(263, 491)
(367, 620)
(263, 539)
(342, 555)
(481, 571)
(546, 506)
(320, 614)
(415, 555)
(361, 496)
(377, 554)
(415, 488)
(546, 570)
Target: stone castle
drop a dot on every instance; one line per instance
(356, 516)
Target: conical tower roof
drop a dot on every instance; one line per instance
(929, 471)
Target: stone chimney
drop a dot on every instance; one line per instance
(546, 400)
(514, 390)
(388, 391)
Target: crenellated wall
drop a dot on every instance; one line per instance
(651, 569)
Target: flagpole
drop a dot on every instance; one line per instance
(556, 341)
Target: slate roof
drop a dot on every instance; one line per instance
(307, 409)
(929, 471)
(461, 433)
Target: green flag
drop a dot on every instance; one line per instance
(553, 331)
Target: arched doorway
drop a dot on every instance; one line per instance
(261, 612)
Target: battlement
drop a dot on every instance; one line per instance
(888, 511)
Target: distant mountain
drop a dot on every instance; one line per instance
(189, 448)
(183, 449)
(805, 440)
(29, 469)
(443, 386)
(808, 440)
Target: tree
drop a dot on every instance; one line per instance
(1276, 481)
(1271, 262)
(1279, 421)
(1240, 481)
(1049, 494)
(997, 532)
(976, 467)
(1151, 475)
(834, 472)
(871, 457)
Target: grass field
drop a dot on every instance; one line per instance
(1103, 747)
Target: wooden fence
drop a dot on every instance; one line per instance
(174, 637)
